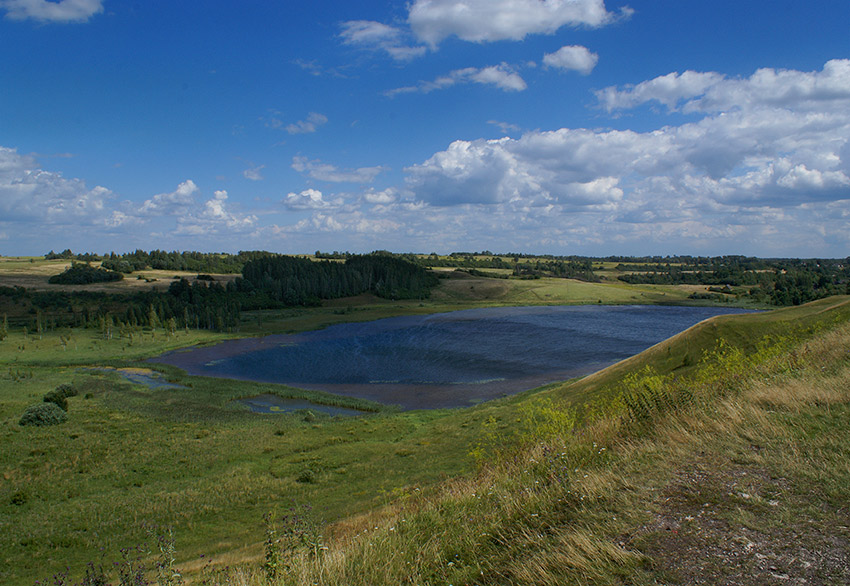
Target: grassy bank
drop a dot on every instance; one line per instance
(737, 473)
(131, 458)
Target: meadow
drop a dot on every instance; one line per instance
(132, 463)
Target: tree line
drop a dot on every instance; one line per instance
(300, 281)
(268, 281)
(778, 282)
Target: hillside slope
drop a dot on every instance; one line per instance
(734, 472)
(714, 457)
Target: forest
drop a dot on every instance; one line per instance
(268, 281)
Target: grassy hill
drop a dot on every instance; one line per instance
(492, 494)
(735, 472)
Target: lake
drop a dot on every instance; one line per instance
(451, 359)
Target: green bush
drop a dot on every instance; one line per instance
(66, 389)
(60, 394)
(57, 399)
(43, 414)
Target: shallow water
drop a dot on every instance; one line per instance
(451, 359)
(149, 378)
(274, 404)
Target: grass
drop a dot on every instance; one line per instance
(747, 483)
(130, 458)
(190, 459)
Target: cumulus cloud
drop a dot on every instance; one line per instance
(311, 124)
(309, 199)
(713, 92)
(668, 90)
(572, 58)
(385, 196)
(353, 222)
(215, 218)
(770, 146)
(432, 21)
(173, 203)
(373, 35)
(503, 76)
(64, 11)
(327, 172)
(31, 194)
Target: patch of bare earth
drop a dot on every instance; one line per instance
(731, 525)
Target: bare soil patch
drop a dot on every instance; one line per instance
(724, 524)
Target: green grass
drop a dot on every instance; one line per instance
(745, 483)
(190, 459)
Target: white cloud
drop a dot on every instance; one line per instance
(771, 147)
(667, 89)
(173, 203)
(696, 92)
(494, 20)
(326, 172)
(349, 222)
(572, 58)
(309, 199)
(385, 196)
(377, 36)
(801, 177)
(368, 32)
(254, 173)
(505, 127)
(30, 194)
(503, 76)
(311, 124)
(215, 218)
(64, 11)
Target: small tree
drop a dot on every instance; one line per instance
(153, 318)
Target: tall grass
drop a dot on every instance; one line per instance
(556, 506)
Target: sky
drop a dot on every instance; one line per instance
(588, 127)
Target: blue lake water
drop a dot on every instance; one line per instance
(451, 359)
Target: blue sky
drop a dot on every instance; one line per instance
(591, 127)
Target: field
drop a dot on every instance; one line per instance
(33, 272)
(132, 461)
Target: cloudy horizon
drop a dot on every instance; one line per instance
(540, 126)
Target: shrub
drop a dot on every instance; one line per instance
(60, 394)
(43, 414)
(66, 389)
(57, 399)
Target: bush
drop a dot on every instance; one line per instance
(43, 414)
(66, 390)
(57, 399)
(60, 394)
